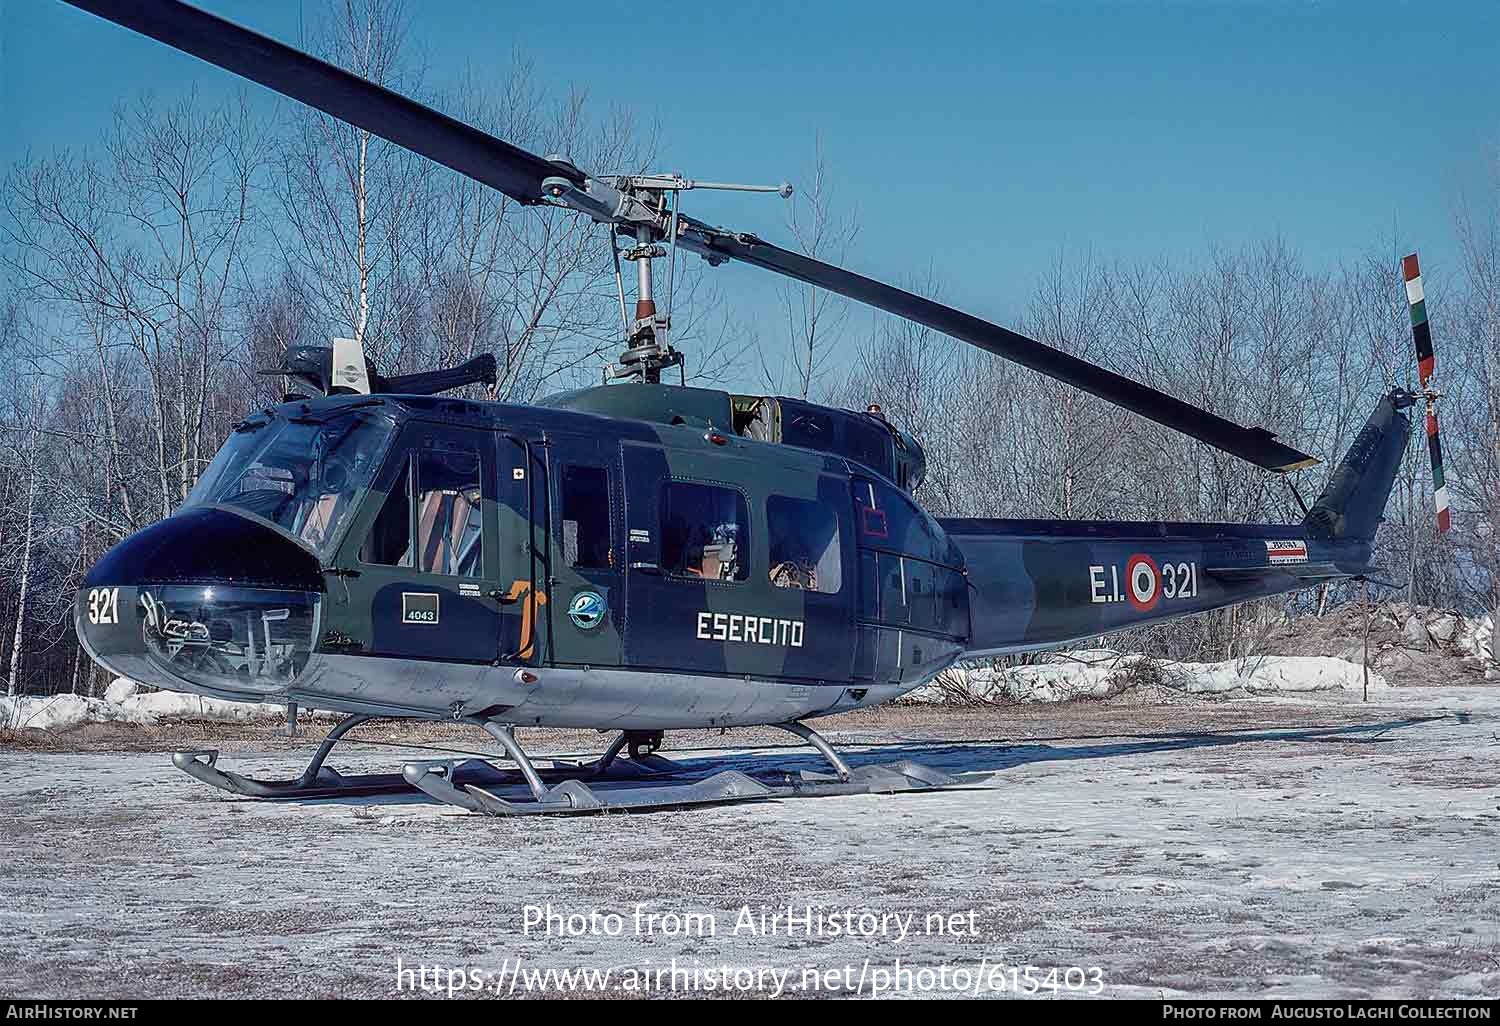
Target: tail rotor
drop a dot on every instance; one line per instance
(1426, 364)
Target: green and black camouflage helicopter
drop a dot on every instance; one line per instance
(637, 557)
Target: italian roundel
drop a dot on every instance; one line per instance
(1142, 582)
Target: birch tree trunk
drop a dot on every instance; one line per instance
(18, 641)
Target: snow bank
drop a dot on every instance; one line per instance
(1476, 639)
(1424, 629)
(1410, 645)
(1100, 673)
(1271, 674)
(125, 702)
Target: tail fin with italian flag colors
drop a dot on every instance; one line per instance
(1421, 333)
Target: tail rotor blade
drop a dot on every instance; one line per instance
(1439, 484)
(1421, 333)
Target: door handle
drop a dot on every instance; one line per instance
(647, 568)
(503, 597)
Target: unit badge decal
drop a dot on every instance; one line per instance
(587, 610)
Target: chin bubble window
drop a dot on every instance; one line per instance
(232, 639)
(704, 532)
(804, 545)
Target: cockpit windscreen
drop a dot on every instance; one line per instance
(303, 476)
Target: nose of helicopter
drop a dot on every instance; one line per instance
(205, 601)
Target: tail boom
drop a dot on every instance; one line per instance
(1042, 583)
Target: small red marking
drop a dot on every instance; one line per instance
(1444, 521)
(1431, 424)
(1409, 268)
(875, 525)
(1425, 368)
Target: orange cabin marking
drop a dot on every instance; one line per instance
(520, 590)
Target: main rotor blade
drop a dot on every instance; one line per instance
(1257, 445)
(335, 91)
(520, 174)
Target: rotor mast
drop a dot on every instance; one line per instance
(647, 352)
(636, 207)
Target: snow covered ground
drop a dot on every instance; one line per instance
(1290, 845)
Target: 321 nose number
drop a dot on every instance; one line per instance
(104, 605)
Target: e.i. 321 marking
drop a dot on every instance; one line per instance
(1144, 582)
(104, 605)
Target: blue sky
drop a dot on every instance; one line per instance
(980, 139)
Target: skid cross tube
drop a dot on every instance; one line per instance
(341, 728)
(612, 753)
(817, 740)
(506, 736)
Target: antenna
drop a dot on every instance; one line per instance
(638, 207)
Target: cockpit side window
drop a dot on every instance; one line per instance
(804, 544)
(431, 518)
(449, 536)
(389, 540)
(705, 532)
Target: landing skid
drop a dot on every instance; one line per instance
(316, 781)
(638, 782)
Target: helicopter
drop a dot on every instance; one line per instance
(639, 556)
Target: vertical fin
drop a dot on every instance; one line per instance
(1352, 503)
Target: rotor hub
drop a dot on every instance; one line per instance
(644, 207)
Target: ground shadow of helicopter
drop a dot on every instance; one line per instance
(971, 764)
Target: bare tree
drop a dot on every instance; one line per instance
(347, 195)
(145, 250)
(1471, 405)
(814, 317)
(26, 460)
